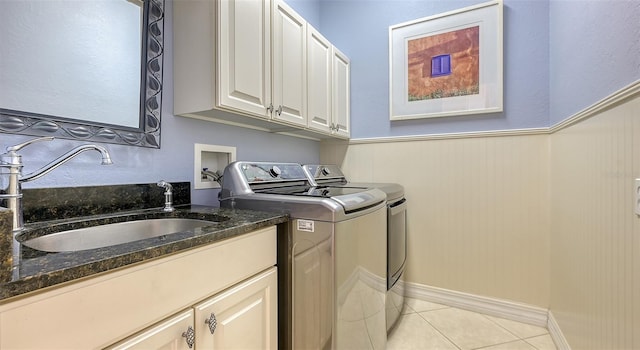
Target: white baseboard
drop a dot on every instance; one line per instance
(556, 334)
(509, 310)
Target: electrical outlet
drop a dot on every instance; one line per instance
(636, 196)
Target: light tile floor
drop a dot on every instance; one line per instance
(425, 325)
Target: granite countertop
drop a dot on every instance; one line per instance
(38, 270)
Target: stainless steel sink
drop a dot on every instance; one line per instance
(112, 234)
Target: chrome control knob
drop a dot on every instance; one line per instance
(326, 171)
(275, 171)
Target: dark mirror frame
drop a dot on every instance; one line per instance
(148, 132)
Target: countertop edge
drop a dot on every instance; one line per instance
(68, 273)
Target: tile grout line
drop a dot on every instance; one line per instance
(410, 310)
(501, 326)
(438, 330)
(535, 336)
(511, 341)
(517, 336)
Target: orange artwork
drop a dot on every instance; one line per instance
(444, 65)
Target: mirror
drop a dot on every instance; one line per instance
(83, 70)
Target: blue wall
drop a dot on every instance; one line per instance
(308, 9)
(560, 56)
(361, 30)
(594, 51)
(174, 161)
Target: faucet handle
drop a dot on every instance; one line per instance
(167, 186)
(27, 143)
(168, 195)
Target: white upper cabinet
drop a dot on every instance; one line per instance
(328, 77)
(246, 63)
(319, 59)
(341, 98)
(289, 66)
(244, 56)
(222, 58)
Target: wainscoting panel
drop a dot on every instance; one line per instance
(595, 235)
(541, 217)
(478, 218)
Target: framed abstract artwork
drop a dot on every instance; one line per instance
(448, 64)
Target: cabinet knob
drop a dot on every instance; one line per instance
(212, 322)
(270, 108)
(279, 110)
(190, 336)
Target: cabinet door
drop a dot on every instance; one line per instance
(319, 59)
(289, 66)
(313, 291)
(341, 98)
(244, 56)
(165, 335)
(245, 316)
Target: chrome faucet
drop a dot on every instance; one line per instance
(168, 195)
(11, 169)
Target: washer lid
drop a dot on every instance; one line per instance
(360, 200)
(350, 198)
(331, 175)
(394, 191)
(288, 182)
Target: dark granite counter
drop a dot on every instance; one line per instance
(6, 216)
(38, 270)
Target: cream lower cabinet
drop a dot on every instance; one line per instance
(168, 334)
(243, 317)
(150, 305)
